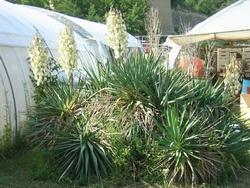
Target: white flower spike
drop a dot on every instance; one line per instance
(67, 52)
(117, 36)
(38, 57)
(233, 77)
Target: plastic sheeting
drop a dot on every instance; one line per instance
(92, 28)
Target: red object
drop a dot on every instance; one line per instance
(248, 90)
(196, 67)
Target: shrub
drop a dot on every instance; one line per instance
(193, 150)
(211, 98)
(57, 106)
(143, 80)
(168, 124)
(65, 120)
(136, 87)
(6, 138)
(128, 79)
(144, 91)
(82, 154)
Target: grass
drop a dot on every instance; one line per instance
(27, 170)
(23, 171)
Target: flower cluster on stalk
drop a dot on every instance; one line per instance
(117, 37)
(51, 5)
(38, 57)
(67, 52)
(232, 80)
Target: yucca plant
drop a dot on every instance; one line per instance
(83, 153)
(168, 87)
(193, 150)
(57, 106)
(65, 120)
(127, 79)
(208, 95)
(96, 76)
(210, 100)
(144, 80)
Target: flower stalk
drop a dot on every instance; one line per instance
(117, 37)
(232, 80)
(38, 57)
(67, 52)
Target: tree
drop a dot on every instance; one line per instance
(133, 11)
(39, 3)
(207, 7)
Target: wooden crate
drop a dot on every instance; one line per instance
(225, 54)
(246, 60)
(222, 59)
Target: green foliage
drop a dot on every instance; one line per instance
(144, 81)
(193, 150)
(144, 89)
(209, 94)
(39, 3)
(57, 106)
(128, 80)
(40, 166)
(210, 100)
(10, 145)
(96, 77)
(134, 11)
(58, 123)
(151, 123)
(82, 154)
(6, 138)
(130, 154)
(207, 7)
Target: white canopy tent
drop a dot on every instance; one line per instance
(18, 25)
(230, 24)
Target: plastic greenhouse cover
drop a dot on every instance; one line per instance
(97, 30)
(23, 22)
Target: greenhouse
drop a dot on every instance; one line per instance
(19, 24)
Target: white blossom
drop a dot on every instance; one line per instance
(117, 36)
(67, 51)
(38, 57)
(51, 4)
(233, 77)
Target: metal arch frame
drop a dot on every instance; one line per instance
(12, 92)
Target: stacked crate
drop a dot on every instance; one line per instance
(224, 55)
(246, 61)
(222, 59)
